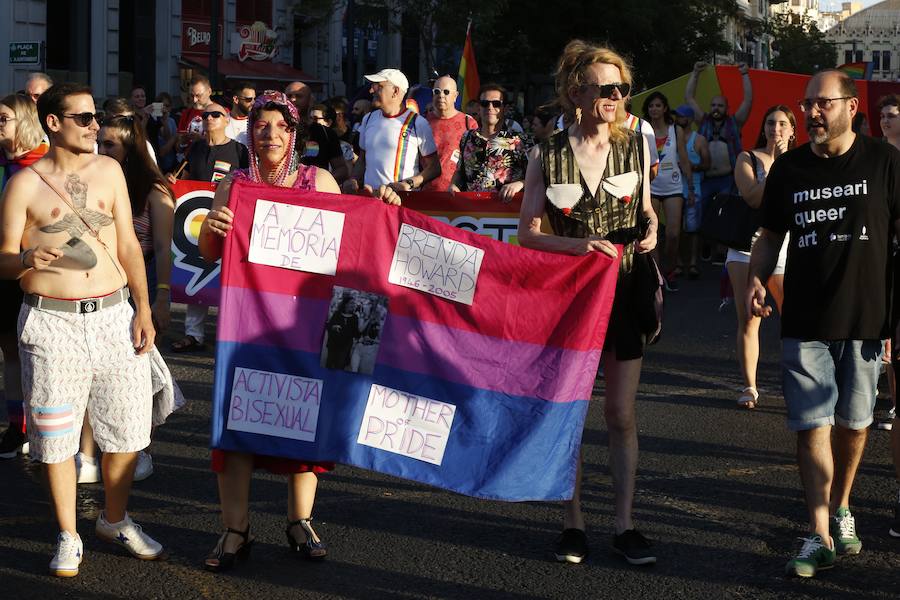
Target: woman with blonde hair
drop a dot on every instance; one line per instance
(593, 181)
(22, 142)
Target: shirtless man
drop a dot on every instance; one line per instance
(87, 353)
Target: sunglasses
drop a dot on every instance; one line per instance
(83, 119)
(437, 91)
(247, 98)
(215, 114)
(606, 90)
(494, 103)
(5, 120)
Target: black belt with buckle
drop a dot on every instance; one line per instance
(83, 306)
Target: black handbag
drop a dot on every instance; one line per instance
(648, 285)
(729, 220)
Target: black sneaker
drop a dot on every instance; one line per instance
(634, 547)
(895, 524)
(571, 546)
(12, 442)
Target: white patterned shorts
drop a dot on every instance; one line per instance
(75, 362)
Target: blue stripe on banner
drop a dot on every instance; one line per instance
(500, 446)
(52, 410)
(53, 434)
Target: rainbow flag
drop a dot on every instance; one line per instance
(857, 70)
(486, 396)
(467, 81)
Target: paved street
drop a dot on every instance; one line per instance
(717, 490)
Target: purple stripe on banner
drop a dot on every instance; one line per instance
(551, 374)
(514, 368)
(270, 319)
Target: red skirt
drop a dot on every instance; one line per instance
(275, 464)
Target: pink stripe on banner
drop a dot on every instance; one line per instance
(514, 368)
(63, 425)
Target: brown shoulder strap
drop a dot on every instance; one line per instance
(93, 231)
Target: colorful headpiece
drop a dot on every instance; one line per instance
(289, 165)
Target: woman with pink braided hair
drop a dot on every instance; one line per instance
(274, 131)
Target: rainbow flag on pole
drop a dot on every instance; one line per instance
(473, 360)
(467, 81)
(857, 70)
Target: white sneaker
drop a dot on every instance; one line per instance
(130, 536)
(69, 551)
(87, 469)
(144, 468)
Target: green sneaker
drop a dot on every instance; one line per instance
(843, 530)
(813, 556)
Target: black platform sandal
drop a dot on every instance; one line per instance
(220, 561)
(314, 548)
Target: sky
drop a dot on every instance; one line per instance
(833, 4)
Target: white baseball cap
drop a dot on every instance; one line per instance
(392, 76)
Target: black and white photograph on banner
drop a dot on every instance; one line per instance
(353, 330)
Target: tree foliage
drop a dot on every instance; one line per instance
(663, 39)
(799, 47)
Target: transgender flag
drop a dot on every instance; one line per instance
(486, 399)
(467, 81)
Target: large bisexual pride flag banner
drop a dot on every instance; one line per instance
(484, 359)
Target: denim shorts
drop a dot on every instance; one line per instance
(828, 382)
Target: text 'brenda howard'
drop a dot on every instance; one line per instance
(428, 262)
(275, 404)
(296, 237)
(406, 424)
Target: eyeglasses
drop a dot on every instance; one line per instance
(247, 98)
(83, 119)
(5, 120)
(215, 114)
(606, 90)
(437, 91)
(820, 104)
(494, 103)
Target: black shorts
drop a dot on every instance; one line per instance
(624, 336)
(10, 303)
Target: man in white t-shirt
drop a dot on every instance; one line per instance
(397, 145)
(241, 103)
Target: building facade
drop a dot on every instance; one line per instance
(746, 34)
(871, 35)
(114, 44)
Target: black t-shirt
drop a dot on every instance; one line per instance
(322, 146)
(213, 163)
(840, 213)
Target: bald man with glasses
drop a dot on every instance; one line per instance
(448, 126)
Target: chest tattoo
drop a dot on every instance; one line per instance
(75, 224)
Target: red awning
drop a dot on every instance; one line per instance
(231, 68)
